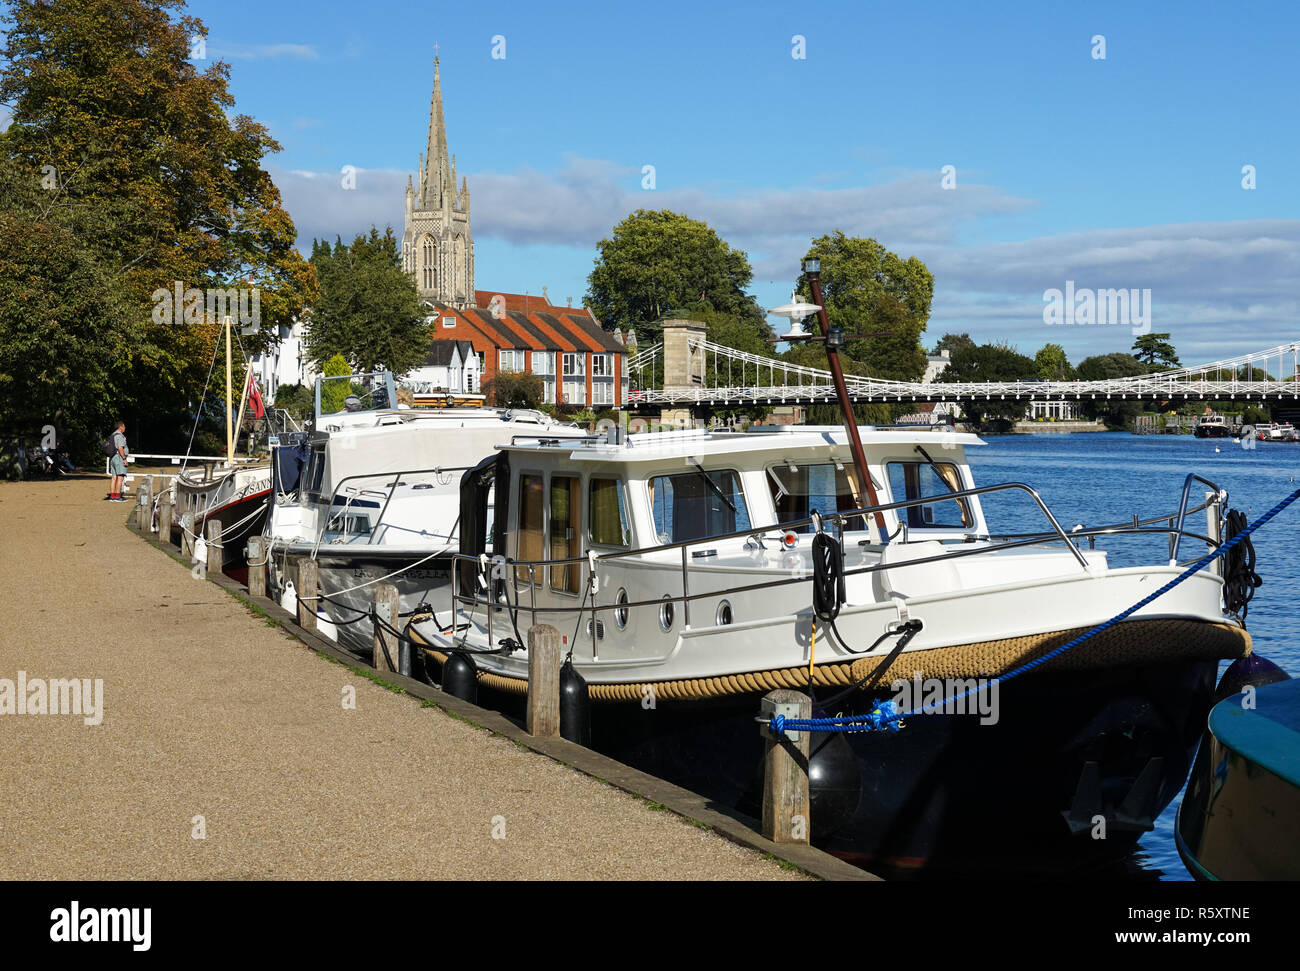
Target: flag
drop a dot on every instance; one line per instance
(255, 404)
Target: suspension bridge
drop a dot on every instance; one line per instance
(686, 370)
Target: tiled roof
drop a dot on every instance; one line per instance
(525, 303)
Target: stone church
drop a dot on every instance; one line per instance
(437, 246)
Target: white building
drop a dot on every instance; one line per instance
(451, 366)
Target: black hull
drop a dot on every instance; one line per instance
(1212, 431)
(948, 794)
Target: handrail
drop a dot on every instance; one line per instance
(1182, 511)
(397, 477)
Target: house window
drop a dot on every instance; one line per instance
(543, 362)
(512, 360)
(575, 392)
(600, 366)
(448, 321)
(575, 364)
(602, 393)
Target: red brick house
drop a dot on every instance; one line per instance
(579, 362)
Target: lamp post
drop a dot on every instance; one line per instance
(834, 341)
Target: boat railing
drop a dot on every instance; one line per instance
(485, 579)
(331, 516)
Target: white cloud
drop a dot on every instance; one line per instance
(1220, 288)
(260, 52)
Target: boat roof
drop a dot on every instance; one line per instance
(697, 444)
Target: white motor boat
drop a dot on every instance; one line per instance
(689, 573)
(373, 494)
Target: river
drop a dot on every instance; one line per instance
(1098, 478)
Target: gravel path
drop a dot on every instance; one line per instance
(209, 712)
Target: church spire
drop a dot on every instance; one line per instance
(437, 176)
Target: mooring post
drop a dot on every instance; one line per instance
(165, 518)
(386, 647)
(256, 556)
(786, 802)
(142, 514)
(543, 680)
(307, 593)
(187, 534)
(214, 546)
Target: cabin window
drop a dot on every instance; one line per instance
(798, 489)
(608, 513)
(315, 470)
(565, 536)
(696, 505)
(530, 525)
(921, 480)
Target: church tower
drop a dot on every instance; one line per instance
(437, 247)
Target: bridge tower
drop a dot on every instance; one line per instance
(683, 364)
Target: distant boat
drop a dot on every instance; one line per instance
(1212, 426)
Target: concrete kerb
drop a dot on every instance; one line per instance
(731, 825)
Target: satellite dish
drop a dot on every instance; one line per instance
(797, 312)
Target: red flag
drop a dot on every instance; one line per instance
(255, 398)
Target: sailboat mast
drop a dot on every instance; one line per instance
(230, 428)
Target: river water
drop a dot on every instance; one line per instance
(1101, 478)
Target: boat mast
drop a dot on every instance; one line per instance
(834, 341)
(230, 432)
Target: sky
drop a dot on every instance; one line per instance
(1115, 172)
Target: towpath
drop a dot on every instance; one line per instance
(209, 711)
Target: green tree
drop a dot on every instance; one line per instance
(990, 362)
(1155, 351)
(369, 310)
(511, 389)
(1052, 364)
(870, 290)
(655, 261)
(142, 156)
(953, 342)
(334, 394)
(1115, 412)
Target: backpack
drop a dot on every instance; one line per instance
(109, 448)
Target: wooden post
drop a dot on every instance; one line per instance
(165, 519)
(786, 801)
(386, 602)
(143, 513)
(307, 593)
(543, 681)
(214, 545)
(187, 540)
(256, 566)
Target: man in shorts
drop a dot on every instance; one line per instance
(117, 464)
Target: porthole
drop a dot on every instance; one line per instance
(666, 615)
(620, 612)
(723, 616)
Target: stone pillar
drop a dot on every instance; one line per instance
(683, 367)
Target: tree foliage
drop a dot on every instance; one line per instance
(990, 362)
(1116, 413)
(1052, 363)
(869, 290)
(655, 261)
(334, 394)
(1155, 351)
(515, 389)
(135, 157)
(369, 310)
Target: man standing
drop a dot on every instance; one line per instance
(117, 464)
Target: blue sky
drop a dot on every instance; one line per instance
(1123, 172)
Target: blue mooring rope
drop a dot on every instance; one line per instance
(886, 717)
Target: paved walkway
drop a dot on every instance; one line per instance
(210, 712)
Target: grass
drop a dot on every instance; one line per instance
(783, 864)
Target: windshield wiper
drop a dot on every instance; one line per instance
(714, 486)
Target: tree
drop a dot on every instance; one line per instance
(515, 389)
(952, 343)
(136, 154)
(990, 362)
(1052, 364)
(656, 261)
(869, 290)
(297, 399)
(1155, 351)
(1116, 413)
(369, 310)
(334, 394)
